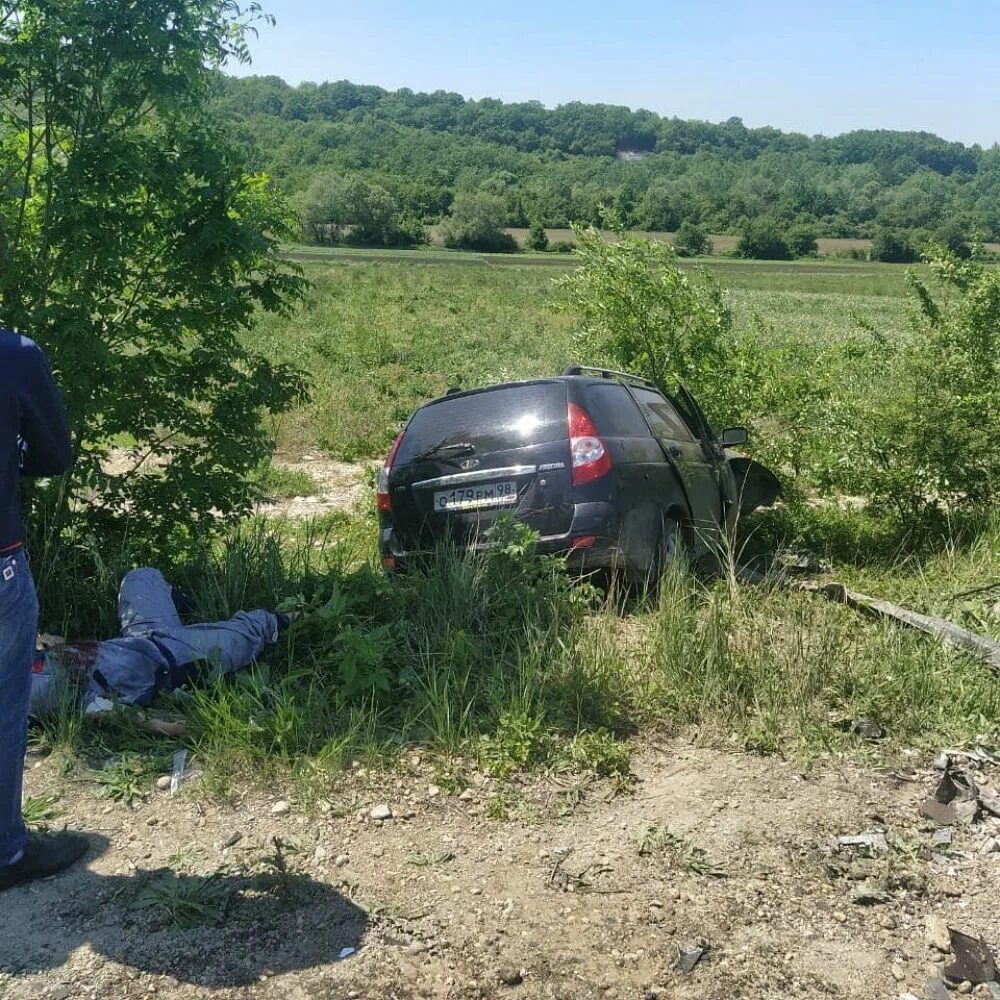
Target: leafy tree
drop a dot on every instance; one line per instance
(336, 209)
(892, 247)
(692, 241)
(137, 247)
(762, 239)
(537, 238)
(935, 443)
(476, 223)
(639, 310)
(953, 235)
(801, 239)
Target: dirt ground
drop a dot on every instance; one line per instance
(448, 899)
(339, 486)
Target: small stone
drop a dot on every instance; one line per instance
(381, 812)
(476, 891)
(280, 808)
(898, 973)
(467, 796)
(989, 846)
(888, 922)
(936, 934)
(840, 916)
(510, 975)
(964, 987)
(163, 783)
(433, 791)
(233, 839)
(340, 860)
(152, 821)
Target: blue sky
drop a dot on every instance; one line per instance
(813, 68)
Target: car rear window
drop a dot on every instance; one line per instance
(492, 420)
(663, 418)
(612, 409)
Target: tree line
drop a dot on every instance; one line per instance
(376, 166)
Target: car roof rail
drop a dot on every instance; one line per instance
(607, 373)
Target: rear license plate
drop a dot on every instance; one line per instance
(477, 497)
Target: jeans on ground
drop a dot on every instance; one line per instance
(154, 641)
(18, 629)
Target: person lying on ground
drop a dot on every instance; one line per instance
(155, 652)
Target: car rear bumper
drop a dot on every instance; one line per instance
(590, 543)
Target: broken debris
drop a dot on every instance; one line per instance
(873, 841)
(688, 956)
(974, 962)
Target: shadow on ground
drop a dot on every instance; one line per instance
(224, 930)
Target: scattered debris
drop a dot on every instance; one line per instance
(345, 953)
(688, 956)
(943, 835)
(872, 841)
(180, 772)
(937, 989)
(983, 647)
(974, 962)
(866, 895)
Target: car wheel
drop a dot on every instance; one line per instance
(668, 547)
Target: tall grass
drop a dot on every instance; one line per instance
(501, 657)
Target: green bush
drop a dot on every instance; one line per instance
(801, 240)
(692, 240)
(639, 310)
(935, 444)
(892, 247)
(762, 239)
(476, 223)
(537, 238)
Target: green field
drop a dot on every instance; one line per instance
(380, 336)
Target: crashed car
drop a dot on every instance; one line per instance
(602, 465)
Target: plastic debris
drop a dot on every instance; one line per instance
(345, 953)
(974, 962)
(179, 772)
(688, 956)
(873, 841)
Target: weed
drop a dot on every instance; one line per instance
(281, 874)
(125, 779)
(39, 810)
(430, 860)
(678, 851)
(185, 901)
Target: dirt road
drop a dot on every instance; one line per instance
(571, 896)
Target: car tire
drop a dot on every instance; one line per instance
(668, 547)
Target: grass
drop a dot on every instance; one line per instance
(380, 338)
(500, 659)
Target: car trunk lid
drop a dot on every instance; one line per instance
(469, 458)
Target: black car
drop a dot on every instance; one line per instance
(601, 464)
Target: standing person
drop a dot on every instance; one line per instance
(34, 441)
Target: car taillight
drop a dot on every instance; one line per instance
(590, 457)
(382, 496)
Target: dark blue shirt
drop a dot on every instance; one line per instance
(34, 438)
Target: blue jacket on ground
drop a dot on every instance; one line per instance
(34, 437)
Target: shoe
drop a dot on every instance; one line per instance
(285, 619)
(44, 856)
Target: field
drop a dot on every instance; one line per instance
(580, 784)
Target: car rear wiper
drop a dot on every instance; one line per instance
(453, 450)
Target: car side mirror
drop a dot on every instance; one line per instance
(733, 436)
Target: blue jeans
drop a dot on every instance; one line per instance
(18, 628)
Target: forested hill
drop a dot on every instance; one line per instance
(557, 165)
